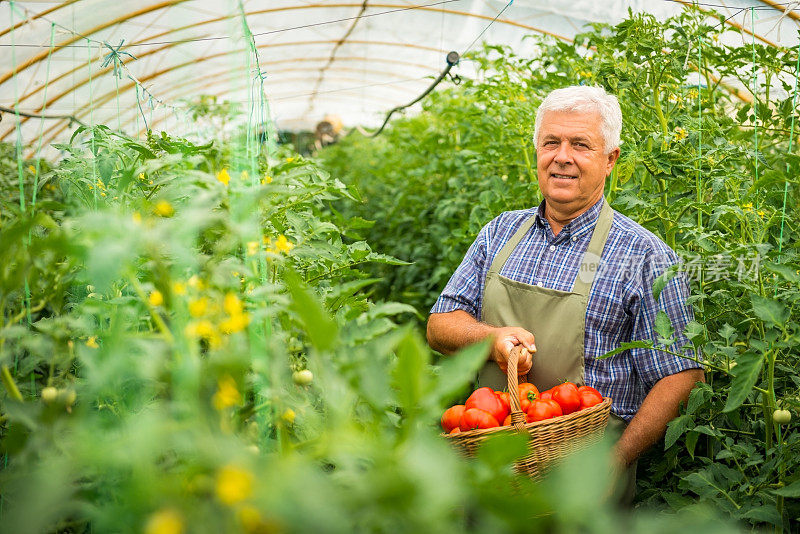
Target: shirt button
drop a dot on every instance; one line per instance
(574, 239)
(552, 248)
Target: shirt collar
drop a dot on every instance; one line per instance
(577, 226)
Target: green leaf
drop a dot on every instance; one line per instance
(676, 429)
(627, 346)
(792, 490)
(698, 397)
(691, 442)
(410, 377)
(746, 373)
(787, 273)
(459, 369)
(661, 281)
(320, 327)
(664, 325)
(502, 449)
(768, 310)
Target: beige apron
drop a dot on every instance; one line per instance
(556, 318)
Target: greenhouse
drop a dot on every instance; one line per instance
(444, 266)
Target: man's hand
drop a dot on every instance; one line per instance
(452, 331)
(505, 339)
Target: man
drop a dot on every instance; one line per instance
(571, 280)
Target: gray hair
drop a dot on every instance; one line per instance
(582, 99)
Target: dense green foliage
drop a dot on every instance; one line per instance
(158, 298)
(702, 167)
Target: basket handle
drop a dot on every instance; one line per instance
(518, 417)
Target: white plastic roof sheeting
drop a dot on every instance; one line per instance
(356, 59)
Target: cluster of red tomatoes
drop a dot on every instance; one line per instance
(487, 408)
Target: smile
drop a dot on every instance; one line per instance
(563, 176)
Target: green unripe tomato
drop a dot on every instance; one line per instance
(782, 417)
(303, 378)
(67, 396)
(49, 394)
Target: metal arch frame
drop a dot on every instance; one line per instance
(773, 4)
(85, 80)
(220, 77)
(170, 3)
(37, 16)
(43, 55)
(105, 98)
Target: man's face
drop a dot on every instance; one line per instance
(572, 162)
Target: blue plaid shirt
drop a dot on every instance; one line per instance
(621, 305)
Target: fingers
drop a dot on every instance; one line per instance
(525, 362)
(526, 339)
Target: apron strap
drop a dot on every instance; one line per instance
(509, 247)
(591, 258)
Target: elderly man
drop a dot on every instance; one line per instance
(571, 280)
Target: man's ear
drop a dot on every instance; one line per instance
(613, 156)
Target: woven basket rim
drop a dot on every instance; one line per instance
(560, 420)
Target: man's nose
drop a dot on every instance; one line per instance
(564, 154)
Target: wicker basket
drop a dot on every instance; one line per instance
(550, 440)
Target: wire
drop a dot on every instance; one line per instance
(486, 28)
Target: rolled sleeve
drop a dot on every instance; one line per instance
(652, 365)
(464, 290)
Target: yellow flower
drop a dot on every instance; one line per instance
(267, 179)
(283, 244)
(235, 323)
(203, 330)
(179, 288)
(156, 298)
(252, 248)
(288, 415)
(244, 176)
(234, 484)
(150, 182)
(761, 213)
(102, 194)
(289, 160)
(92, 342)
(748, 206)
(227, 395)
(232, 305)
(32, 168)
(196, 282)
(223, 176)
(165, 521)
(137, 217)
(680, 134)
(141, 176)
(198, 307)
(692, 94)
(164, 209)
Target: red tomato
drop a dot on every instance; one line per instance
(455, 430)
(527, 392)
(543, 409)
(451, 417)
(477, 418)
(567, 396)
(588, 388)
(485, 399)
(505, 400)
(589, 396)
